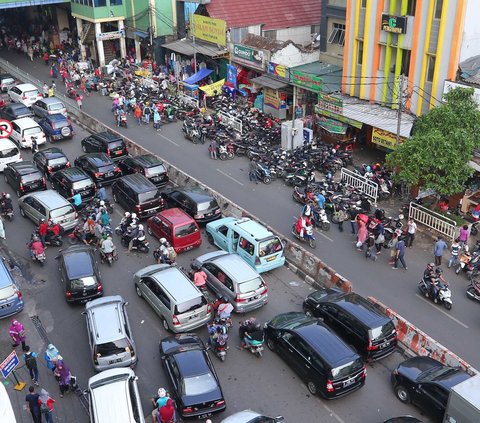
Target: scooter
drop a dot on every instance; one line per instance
(257, 345)
(139, 244)
(473, 291)
(219, 345)
(444, 295)
(7, 214)
(123, 121)
(320, 219)
(308, 235)
(108, 258)
(40, 258)
(51, 239)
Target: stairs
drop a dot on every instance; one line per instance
(88, 34)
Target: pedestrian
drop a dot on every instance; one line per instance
(353, 219)
(2, 229)
(438, 249)
(32, 405)
(252, 171)
(78, 99)
(30, 53)
(138, 114)
(46, 402)
(380, 238)
(54, 86)
(30, 358)
(52, 356)
(361, 234)
(454, 252)
(63, 375)
(212, 148)
(400, 254)
(411, 231)
(340, 224)
(463, 235)
(34, 145)
(156, 120)
(392, 244)
(45, 90)
(147, 111)
(46, 58)
(17, 333)
(369, 243)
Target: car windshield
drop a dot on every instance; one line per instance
(57, 161)
(83, 282)
(32, 131)
(31, 93)
(56, 106)
(347, 369)
(112, 347)
(60, 123)
(115, 144)
(144, 197)
(8, 152)
(270, 246)
(154, 171)
(207, 205)
(250, 286)
(382, 331)
(30, 177)
(198, 385)
(190, 305)
(84, 183)
(61, 211)
(181, 231)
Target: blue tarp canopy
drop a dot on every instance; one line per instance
(202, 73)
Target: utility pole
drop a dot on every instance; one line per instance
(400, 106)
(192, 28)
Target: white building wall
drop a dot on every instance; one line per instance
(291, 56)
(298, 34)
(471, 31)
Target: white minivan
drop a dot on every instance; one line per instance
(27, 94)
(9, 153)
(24, 129)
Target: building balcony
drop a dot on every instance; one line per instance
(98, 10)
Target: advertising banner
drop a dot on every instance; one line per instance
(307, 80)
(385, 139)
(213, 89)
(209, 29)
(394, 24)
(104, 36)
(249, 55)
(278, 70)
(232, 75)
(271, 98)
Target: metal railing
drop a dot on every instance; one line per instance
(231, 121)
(433, 220)
(366, 186)
(192, 102)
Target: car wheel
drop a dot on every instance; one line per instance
(210, 238)
(138, 291)
(165, 325)
(312, 387)
(271, 344)
(84, 149)
(22, 213)
(402, 394)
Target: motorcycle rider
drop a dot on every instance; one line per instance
(252, 331)
(137, 234)
(36, 247)
(6, 203)
(125, 222)
(107, 246)
(435, 283)
(42, 231)
(223, 308)
(120, 113)
(302, 223)
(218, 335)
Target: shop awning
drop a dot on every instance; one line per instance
(185, 46)
(269, 82)
(141, 34)
(202, 73)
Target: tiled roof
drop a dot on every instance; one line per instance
(274, 14)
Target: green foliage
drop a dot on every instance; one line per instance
(445, 138)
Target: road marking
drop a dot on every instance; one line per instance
(230, 177)
(332, 413)
(441, 311)
(317, 231)
(169, 140)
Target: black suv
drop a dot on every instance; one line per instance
(50, 160)
(135, 193)
(105, 142)
(148, 165)
(79, 274)
(328, 365)
(68, 182)
(355, 319)
(99, 167)
(24, 177)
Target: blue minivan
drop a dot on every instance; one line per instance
(11, 301)
(253, 242)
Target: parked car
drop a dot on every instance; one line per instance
(24, 129)
(9, 153)
(47, 205)
(249, 416)
(105, 142)
(177, 301)
(24, 177)
(11, 300)
(109, 333)
(426, 383)
(49, 106)
(196, 202)
(15, 111)
(71, 181)
(27, 94)
(79, 274)
(7, 81)
(194, 383)
(99, 167)
(177, 227)
(50, 160)
(354, 319)
(327, 364)
(148, 165)
(229, 276)
(403, 419)
(57, 127)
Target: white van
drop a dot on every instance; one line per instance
(114, 397)
(24, 129)
(9, 153)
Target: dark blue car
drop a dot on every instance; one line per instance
(56, 127)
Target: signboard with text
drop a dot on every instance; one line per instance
(394, 24)
(307, 80)
(385, 139)
(210, 29)
(278, 70)
(330, 102)
(329, 113)
(9, 364)
(104, 36)
(271, 98)
(248, 55)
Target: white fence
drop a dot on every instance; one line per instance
(228, 120)
(367, 187)
(432, 220)
(192, 102)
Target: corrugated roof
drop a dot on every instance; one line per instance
(331, 74)
(274, 14)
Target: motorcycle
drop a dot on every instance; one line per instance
(219, 345)
(473, 291)
(263, 173)
(76, 236)
(308, 235)
(139, 244)
(444, 295)
(40, 258)
(225, 151)
(108, 258)
(257, 344)
(7, 214)
(468, 262)
(302, 196)
(51, 239)
(123, 121)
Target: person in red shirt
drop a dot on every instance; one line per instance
(36, 247)
(42, 231)
(167, 413)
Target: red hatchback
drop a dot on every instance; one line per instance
(179, 229)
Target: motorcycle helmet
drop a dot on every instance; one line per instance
(7, 195)
(140, 227)
(466, 249)
(35, 238)
(102, 203)
(42, 220)
(368, 169)
(134, 215)
(431, 265)
(225, 299)
(162, 240)
(127, 214)
(195, 266)
(438, 271)
(141, 238)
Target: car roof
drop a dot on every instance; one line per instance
(78, 261)
(244, 416)
(235, 267)
(106, 310)
(256, 230)
(6, 143)
(52, 152)
(148, 160)
(26, 121)
(55, 117)
(107, 136)
(97, 159)
(75, 173)
(139, 182)
(24, 168)
(15, 106)
(176, 216)
(51, 100)
(181, 341)
(50, 197)
(196, 194)
(5, 276)
(6, 75)
(26, 87)
(192, 362)
(176, 284)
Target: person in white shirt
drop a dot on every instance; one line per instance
(411, 230)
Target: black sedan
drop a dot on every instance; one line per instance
(99, 167)
(15, 111)
(195, 385)
(195, 201)
(426, 383)
(148, 165)
(50, 160)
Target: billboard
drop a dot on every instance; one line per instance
(210, 29)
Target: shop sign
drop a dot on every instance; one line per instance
(247, 54)
(385, 138)
(394, 24)
(210, 29)
(336, 116)
(232, 75)
(278, 70)
(105, 36)
(330, 102)
(213, 89)
(333, 126)
(271, 98)
(307, 80)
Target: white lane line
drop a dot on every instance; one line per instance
(441, 311)
(317, 231)
(169, 140)
(230, 177)
(333, 414)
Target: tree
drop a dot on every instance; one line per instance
(437, 155)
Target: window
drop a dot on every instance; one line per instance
(115, 2)
(246, 246)
(337, 36)
(411, 6)
(223, 230)
(314, 29)
(271, 35)
(405, 62)
(430, 68)
(99, 3)
(438, 9)
(359, 52)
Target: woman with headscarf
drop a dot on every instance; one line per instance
(45, 401)
(52, 356)
(17, 333)
(62, 373)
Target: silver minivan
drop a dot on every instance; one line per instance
(48, 204)
(11, 300)
(48, 106)
(228, 275)
(109, 333)
(178, 302)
